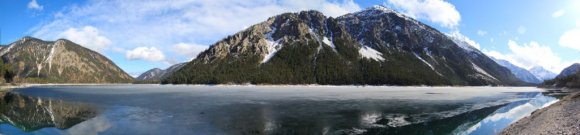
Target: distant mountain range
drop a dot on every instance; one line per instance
(376, 46)
(32, 60)
(519, 72)
(157, 74)
(542, 73)
(568, 78)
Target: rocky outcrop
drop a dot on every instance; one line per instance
(62, 61)
(376, 46)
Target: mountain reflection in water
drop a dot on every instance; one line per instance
(231, 110)
(31, 113)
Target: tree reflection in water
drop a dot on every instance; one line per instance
(33, 113)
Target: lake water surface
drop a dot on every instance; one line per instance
(296, 110)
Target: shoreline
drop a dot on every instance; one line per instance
(249, 85)
(10, 87)
(559, 118)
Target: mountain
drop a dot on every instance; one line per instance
(571, 70)
(157, 74)
(542, 74)
(519, 72)
(567, 79)
(153, 74)
(61, 61)
(376, 46)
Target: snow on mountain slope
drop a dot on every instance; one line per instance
(542, 73)
(519, 72)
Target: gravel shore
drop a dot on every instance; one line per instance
(561, 118)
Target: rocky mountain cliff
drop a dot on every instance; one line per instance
(376, 46)
(61, 61)
(157, 74)
(542, 73)
(519, 72)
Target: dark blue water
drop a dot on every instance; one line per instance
(153, 109)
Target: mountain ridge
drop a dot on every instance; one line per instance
(519, 72)
(566, 79)
(542, 74)
(374, 46)
(61, 61)
(570, 70)
(157, 74)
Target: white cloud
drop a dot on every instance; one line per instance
(522, 30)
(145, 53)
(34, 5)
(530, 55)
(437, 11)
(558, 13)
(481, 32)
(338, 9)
(88, 36)
(118, 49)
(189, 50)
(571, 39)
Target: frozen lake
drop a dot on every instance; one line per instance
(159, 109)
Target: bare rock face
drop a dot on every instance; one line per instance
(61, 61)
(30, 113)
(376, 46)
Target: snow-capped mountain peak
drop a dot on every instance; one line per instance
(542, 73)
(463, 41)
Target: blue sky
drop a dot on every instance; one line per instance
(142, 34)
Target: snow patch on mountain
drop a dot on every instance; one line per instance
(387, 10)
(424, 61)
(429, 53)
(481, 71)
(519, 72)
(464, 42)
(50, 55)
(427, 63)
(273, 45)
(328, 42)
(542, 73)
(7, 49)
(370, 53)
